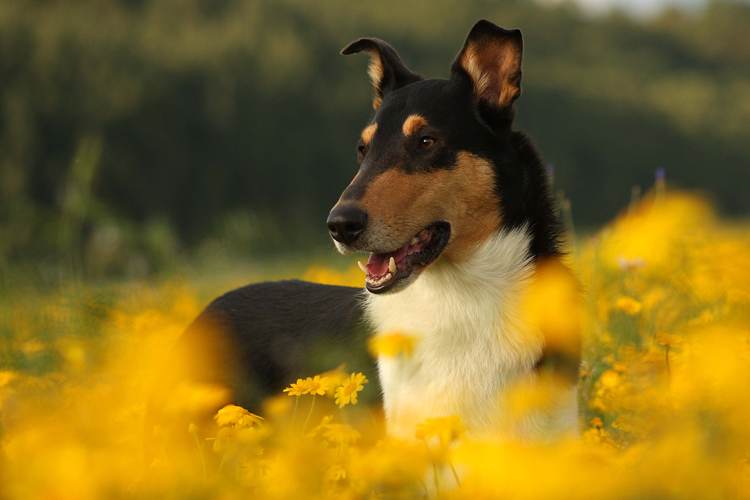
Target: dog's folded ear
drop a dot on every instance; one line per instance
(491, 61)
(386, 70)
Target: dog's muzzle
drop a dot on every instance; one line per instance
(346, 223)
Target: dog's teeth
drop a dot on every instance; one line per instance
(392, 265)
(387, 276)
(362, 266)
(414, 240)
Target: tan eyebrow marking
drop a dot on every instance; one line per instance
(413, 123)
(368, 132)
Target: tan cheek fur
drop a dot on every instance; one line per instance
(401, 204)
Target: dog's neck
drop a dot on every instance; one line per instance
(472, 340)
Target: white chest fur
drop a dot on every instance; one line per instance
(473, 344)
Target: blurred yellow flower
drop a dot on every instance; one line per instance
(628, 305)
(552, 303)
(341, 434)
(347, 392)
(298, 389)
(650, 233)
(447, 429)
(630, 265)
(276, 406)
(334, 473)
(610, 379)
(668, 340)
(236, 416)
(534, 395)
(391, 344)
(596, 422)
(32, 347)
(193, 398)
(6, 376)
(223, 438)
(323, 424)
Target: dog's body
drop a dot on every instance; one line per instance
(454, 207)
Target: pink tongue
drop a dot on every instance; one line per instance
(377, 265)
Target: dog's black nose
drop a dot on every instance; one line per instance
(346, 223)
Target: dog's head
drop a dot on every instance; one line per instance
(436, 168)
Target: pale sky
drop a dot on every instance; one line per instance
(638, 7)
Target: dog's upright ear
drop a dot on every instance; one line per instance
(386, 70)
(491, 61)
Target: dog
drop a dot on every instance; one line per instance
(454, 208)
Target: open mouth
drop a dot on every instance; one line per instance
(384, 270)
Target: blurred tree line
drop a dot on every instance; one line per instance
(135, 130)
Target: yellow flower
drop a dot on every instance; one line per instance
(598, 436)
(391, 344)
(668, 340)
(236, 416)
(6, 376)
(335, 378)
(235, 439)
(223, 438)
(299, 388)
(620, 367)
(323, 425)
(448, 429)
(341, 434)
(629, 305)
(317, 385)
(610, 379)
(347, 392)
(597, 422)
(334, 473)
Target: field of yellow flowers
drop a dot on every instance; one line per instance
(664, 391)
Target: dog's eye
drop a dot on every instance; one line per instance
(426, 142)
(361, 150)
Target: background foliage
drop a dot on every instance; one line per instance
(132, 131)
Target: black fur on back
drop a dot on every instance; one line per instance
(259, 338)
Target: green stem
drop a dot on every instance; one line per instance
(437, 486)
(221, 464)
(307, 420)
(455, 474)
(426, 489)
(294, 416)
(200, 452)
(434, 466)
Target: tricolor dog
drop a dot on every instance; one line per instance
(453, 207)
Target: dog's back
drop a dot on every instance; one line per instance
(249, 344)
(259, 338)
